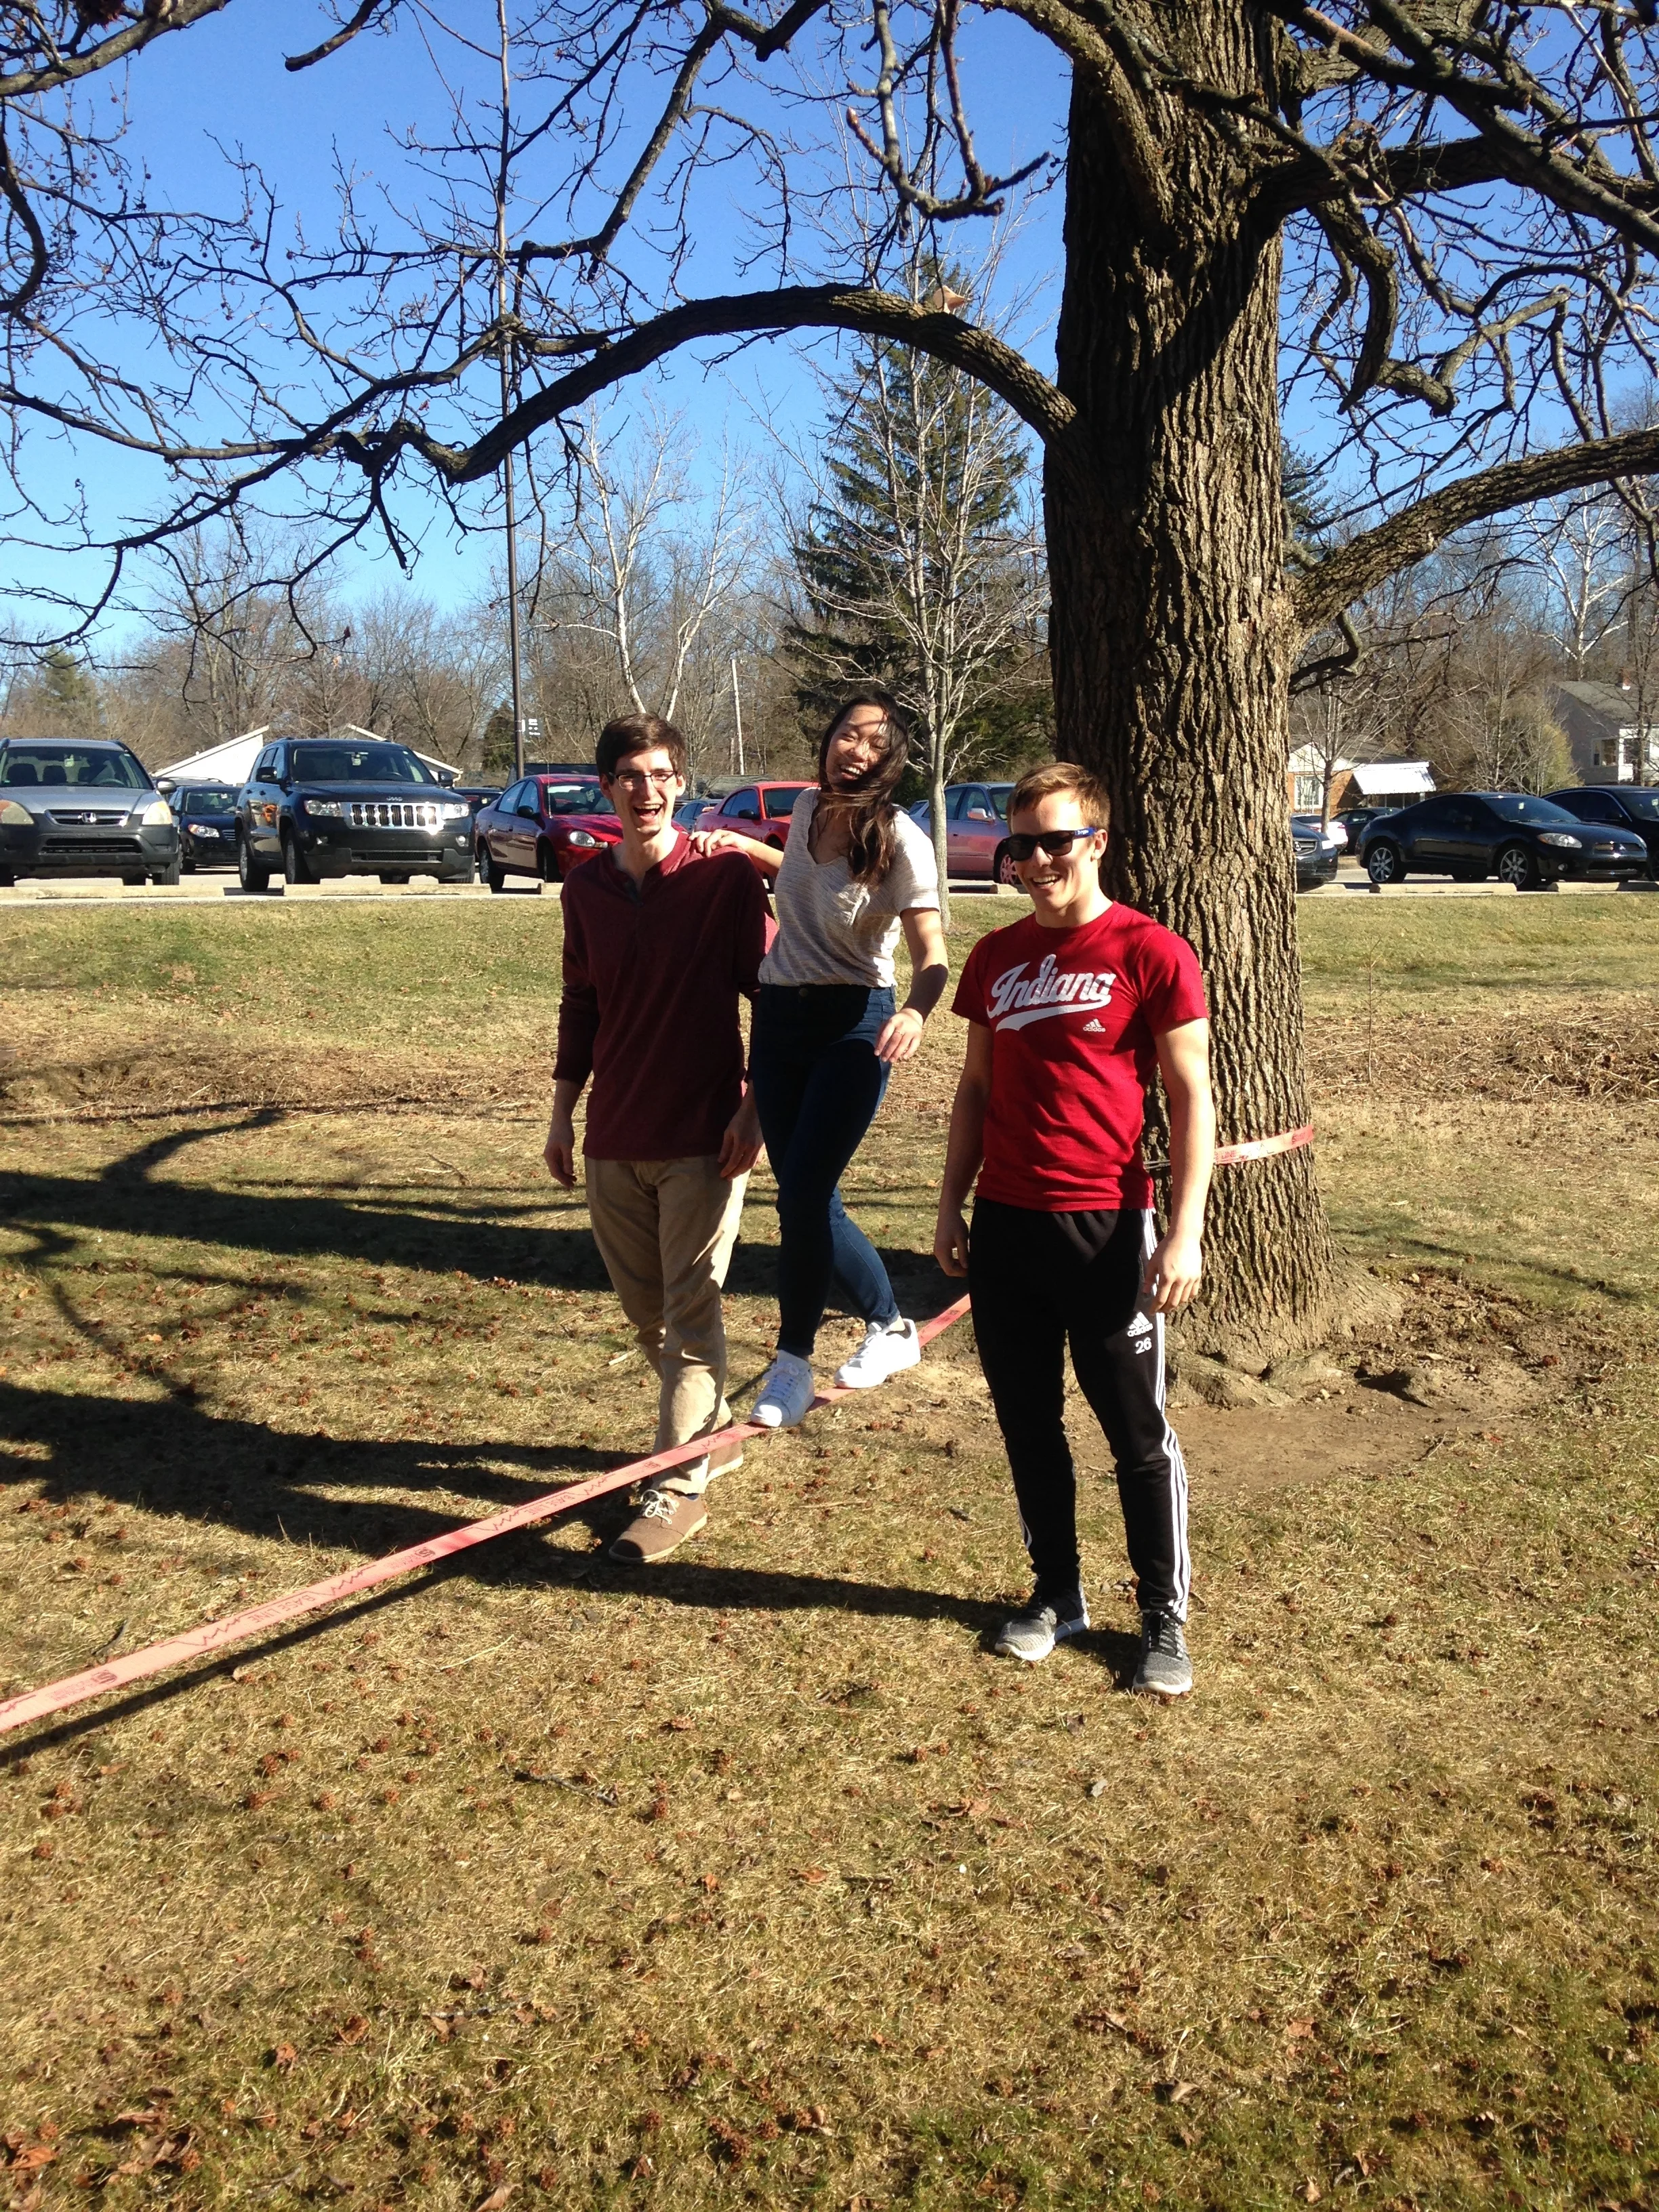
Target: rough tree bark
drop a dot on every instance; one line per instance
(1172, 639)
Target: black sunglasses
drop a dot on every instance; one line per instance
(1056, 843)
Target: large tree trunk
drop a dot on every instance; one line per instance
(1171, 643)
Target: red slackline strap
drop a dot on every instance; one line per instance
(237, 1627)
(1263, 1148)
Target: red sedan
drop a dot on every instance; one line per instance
(761, 810)
(544, 826)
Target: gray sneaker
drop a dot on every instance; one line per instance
(1040, 1624)
(1165, 1670)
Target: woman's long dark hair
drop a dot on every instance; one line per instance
(871, 840)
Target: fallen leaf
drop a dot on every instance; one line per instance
(283, 2056)
(1097, 2023)
(355, 2029)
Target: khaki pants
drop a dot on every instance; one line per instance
(666, 1230)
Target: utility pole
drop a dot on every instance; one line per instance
(512, 570)
(737, 714)
(502, 181)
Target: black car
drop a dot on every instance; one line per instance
(82, 807)
(1316, 856)
(206, 814)
(1471, 835)
(1357, 820)
(1630, 806)
(476, 795)
(336, 807)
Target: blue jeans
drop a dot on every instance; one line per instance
(817, 1083)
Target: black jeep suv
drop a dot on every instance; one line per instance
(338, 806)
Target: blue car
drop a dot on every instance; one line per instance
(206, 815)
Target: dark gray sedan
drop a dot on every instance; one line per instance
(1316, 855)
(83, 806)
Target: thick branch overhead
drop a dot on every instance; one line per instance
(1322, 592)
(807, 306)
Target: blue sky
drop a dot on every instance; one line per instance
(219, 91)
(221, 88)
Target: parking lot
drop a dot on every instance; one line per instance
(211, 887)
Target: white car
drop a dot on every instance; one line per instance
(1333, 830)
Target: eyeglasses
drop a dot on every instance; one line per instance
(1056, 843)
(636, 779)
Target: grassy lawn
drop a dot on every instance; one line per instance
(758, 1879)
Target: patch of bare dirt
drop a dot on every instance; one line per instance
(1607, 1052)
(1460, 1359)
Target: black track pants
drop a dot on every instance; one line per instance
(1038, 1280)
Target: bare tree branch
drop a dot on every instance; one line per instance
(1343, 576)
(61, 69)
(364, 16)
(805, 307)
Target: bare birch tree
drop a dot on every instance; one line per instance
(1580, 546)
(659, 571)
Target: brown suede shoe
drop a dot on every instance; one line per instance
(664, 1522)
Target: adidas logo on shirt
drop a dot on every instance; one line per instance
(1095, 1028)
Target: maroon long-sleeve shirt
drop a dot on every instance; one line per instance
(651, 978)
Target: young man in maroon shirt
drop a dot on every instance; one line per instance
(1072, 1011)
(659, 946)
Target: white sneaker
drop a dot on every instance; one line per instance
(787, 1393)
(888, 1348)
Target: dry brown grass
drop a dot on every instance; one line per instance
(758, 1879)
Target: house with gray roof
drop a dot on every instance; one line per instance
(1614, 734)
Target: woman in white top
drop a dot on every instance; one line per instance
(855, 872)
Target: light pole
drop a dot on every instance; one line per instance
(737, 714)
(501, 181)
(512, 572)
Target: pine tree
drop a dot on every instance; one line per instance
(65, 695)
(917, 565)
(499, 756)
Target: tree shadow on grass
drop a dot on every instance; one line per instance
(470, 1233)
(171, 1458)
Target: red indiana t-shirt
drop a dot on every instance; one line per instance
(1072, 1015)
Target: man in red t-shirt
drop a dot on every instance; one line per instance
(1073, 1010)
(660, 946)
